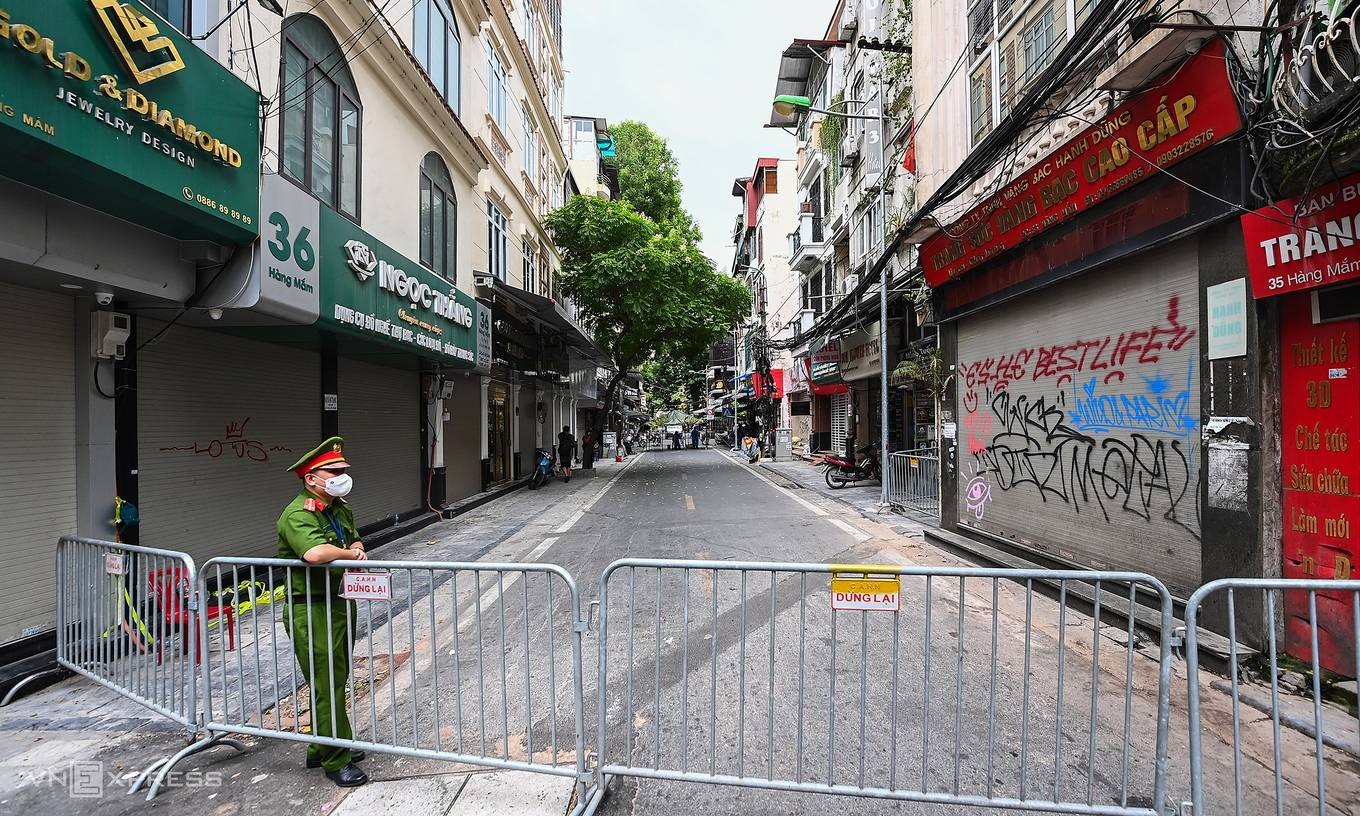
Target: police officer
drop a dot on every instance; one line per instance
(318, 527)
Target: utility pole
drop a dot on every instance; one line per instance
(767, 404)
(883, 280)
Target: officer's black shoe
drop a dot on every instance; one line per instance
(350, 776)
(354, 756)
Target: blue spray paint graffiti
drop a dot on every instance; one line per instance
(1155, 408)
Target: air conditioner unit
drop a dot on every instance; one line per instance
(849, 283)
(850, 20)
(850, 149)
(484, 280)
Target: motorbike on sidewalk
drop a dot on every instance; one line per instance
(543, 469)
(841, 471)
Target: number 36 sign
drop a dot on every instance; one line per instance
(286, 261)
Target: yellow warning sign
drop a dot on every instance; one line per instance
(866, 594)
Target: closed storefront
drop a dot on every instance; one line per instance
(381, 425)
(498, 430)
(1079, 418)
(97, 223)
(463, 438)
(1300, 264)
(840, 421)
(219, 417)
(37, 453)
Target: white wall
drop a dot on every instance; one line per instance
(404, 119)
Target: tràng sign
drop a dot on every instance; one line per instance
(1184, 114)
(104, 103)
(1304, 243)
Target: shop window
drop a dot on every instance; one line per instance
(530, 266)
(530, 144)
(496, 84)
(175, 12)
(530, 27)
(438, 47)
(497, 241)
(438, 218)
(1012, 42)
(321, 116)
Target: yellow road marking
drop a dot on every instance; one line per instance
(689, 502)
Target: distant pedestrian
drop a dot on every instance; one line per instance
(588, 450)
(676, 439)
(628, 444)
(566, 449)
(694, 437)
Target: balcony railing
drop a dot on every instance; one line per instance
(805, 243)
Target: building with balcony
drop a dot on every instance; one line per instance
(761, 261)
(852, 186)
(1085, 259)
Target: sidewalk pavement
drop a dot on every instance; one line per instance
(76, 747)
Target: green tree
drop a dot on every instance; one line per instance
(649, 177)
(643, 289)
(673, 383)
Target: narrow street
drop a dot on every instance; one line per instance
(796, 692)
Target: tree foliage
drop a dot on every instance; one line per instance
(673, 383)
(634, 269)
(649, 177)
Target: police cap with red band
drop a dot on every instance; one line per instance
(329, 455)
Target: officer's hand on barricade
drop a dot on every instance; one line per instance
(358, 555)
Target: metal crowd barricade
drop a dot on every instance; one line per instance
(700, 681)
(125, 620)
(1320, 620)
(914, 480)
(477, 663)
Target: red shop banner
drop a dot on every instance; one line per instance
(1304, 243)
(1191, 109)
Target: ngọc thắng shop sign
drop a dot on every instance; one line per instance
(368, 289)
(105, 104)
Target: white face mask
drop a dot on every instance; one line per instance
(338, 486)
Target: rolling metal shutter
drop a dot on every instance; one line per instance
(1079, 418)
(840, 422)
(37, 453)
(378, 418)
(219, 418)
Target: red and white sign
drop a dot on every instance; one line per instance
(113, 564)
(1190, 111)
(367, 586)
(1304, 243)
(866, 594)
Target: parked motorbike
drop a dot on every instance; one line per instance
(542, 469)
(841, 471)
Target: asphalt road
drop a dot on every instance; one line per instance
(745, 673)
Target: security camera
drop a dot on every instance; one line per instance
(103, 298)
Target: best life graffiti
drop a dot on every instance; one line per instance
(1117, 434)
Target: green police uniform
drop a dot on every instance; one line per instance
(319, 621)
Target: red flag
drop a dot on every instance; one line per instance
(909, 159)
